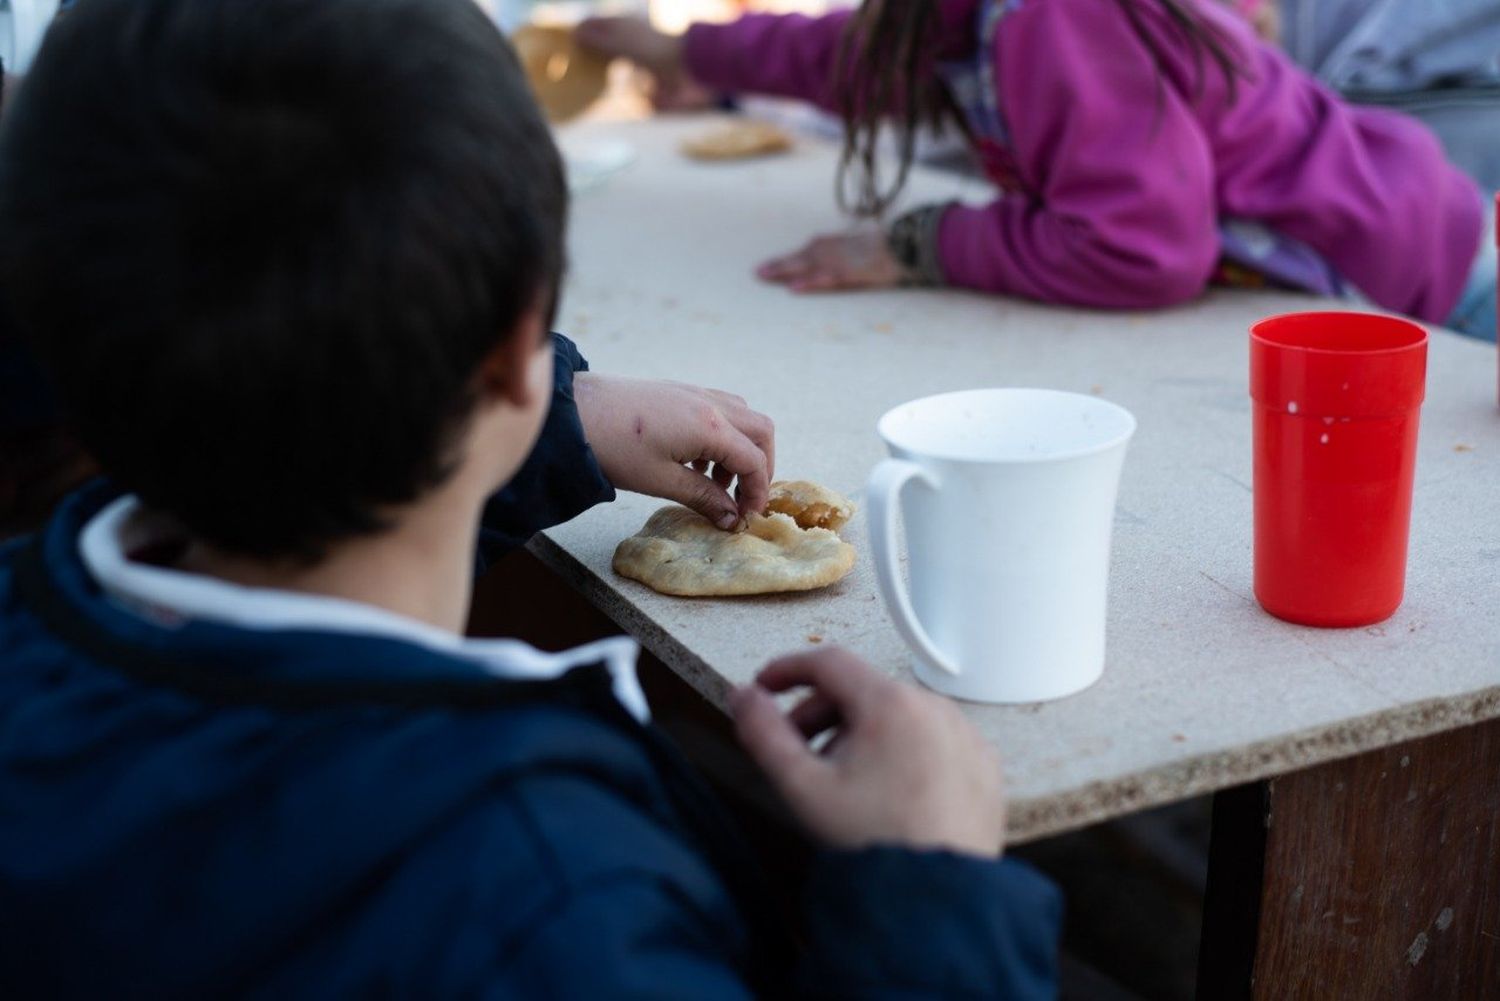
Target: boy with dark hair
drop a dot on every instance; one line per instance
(291, 265)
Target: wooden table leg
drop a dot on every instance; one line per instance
(1373, 877)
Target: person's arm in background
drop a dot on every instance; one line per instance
(779, 55)
(1119, 211)
(788, 55)
(660, 438)
(1433, 61)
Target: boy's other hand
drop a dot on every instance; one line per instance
(656, 52)
(834, 262)
(903, 766)
(679, 442)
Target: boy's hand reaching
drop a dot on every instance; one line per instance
(904, 767)
(647, 434)
(839, 261)
(654, 51)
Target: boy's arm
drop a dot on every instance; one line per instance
(665, 439)
(941, 918)
(893, 922)
(561, 478)
(680, 442)
(881, 923)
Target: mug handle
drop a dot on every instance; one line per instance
(883, 495)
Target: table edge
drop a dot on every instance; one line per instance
(1095, 802)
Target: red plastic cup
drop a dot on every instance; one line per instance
(1336, 402)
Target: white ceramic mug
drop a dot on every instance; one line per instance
(1008, 530)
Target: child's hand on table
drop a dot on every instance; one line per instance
(834, 262)
(656, 52)
(646, 433)
(904, 766)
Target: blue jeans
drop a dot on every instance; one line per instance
(1475, 314)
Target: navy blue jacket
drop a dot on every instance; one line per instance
(208, 810)
(559, 479)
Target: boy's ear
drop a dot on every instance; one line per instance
(505, 375)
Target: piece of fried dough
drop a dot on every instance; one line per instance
(565, 77)
(737, 141)
(810, 505)
(679, 552)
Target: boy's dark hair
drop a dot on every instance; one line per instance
(265, 245)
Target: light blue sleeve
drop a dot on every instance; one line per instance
(23, 25)
(1395, 45)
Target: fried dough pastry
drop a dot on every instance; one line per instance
(810, 505)
(737, 141)
(680, 552)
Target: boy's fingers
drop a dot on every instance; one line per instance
(752, 424)
(841, 677)
(762, 433)
(700, 493)
(814, 714)
(731, 401)
(774, 743)
(733, 450)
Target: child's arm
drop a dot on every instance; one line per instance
(561, 477)
(789, 55)
(908, 899)
(878, 923)
(1122, 210)
(680, 442)
(781, 55)
(604, 433)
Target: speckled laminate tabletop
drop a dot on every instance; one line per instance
(1202, 689)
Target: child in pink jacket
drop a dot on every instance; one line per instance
(1142, 149)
